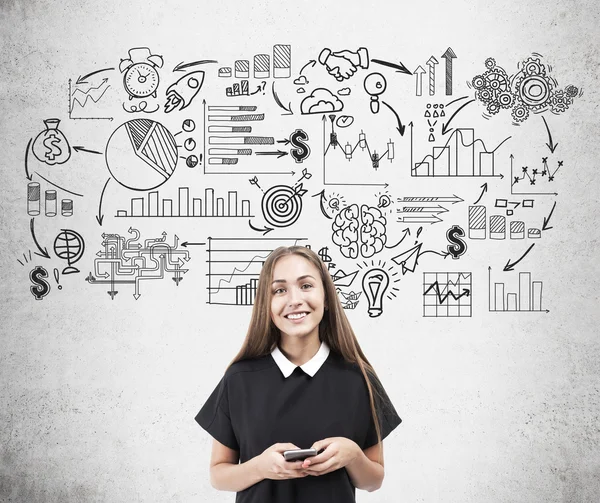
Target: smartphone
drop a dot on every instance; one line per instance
(299, 454)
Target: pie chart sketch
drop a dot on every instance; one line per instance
(141, 154)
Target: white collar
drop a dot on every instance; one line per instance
(310, 367)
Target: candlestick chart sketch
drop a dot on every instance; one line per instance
(385, 170)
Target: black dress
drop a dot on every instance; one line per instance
(254, 407)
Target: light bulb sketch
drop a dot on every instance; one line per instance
(375, 283)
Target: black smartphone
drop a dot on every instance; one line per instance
(299, 454)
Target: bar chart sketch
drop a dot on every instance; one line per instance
(526, 298)
(447, 294)
(282, 65)
(234, 265)
(152, 206)
(459, 157)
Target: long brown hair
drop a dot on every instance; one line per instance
(334, 328)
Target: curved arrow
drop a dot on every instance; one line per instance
(445, 126)
(29, 177)
(180, 67)
(400, 68)
(83, 80)
(401, 127)
(546, 220)
(322, 203)
(44, 252)
(264, 230)
(551, 146)
(312, 63)
(278, 101)
(457, 99)
(406, 233)
(484, 187)
(100, 216)
(509, 266)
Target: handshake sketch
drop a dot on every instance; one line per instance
(343, 64)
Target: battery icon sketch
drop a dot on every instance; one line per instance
(50, 203)
(477, 222)
(497, 227)
(66, 207)
(282, 61)
(262, 66)
(33, 198)
(242, 69)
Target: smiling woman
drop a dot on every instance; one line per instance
(297, 304)
(299, 381)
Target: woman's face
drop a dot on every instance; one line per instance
(298, 297)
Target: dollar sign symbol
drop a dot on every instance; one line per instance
(302, 150)
(323, 253)
(457, 246)
(41, 287)
(52, 144)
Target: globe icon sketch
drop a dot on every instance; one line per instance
(69, 246)
(141, 154)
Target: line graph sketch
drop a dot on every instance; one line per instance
(86, 99)
(459, 157)
(447, 294)
(234, 266)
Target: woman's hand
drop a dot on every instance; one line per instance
(339, 452)
(272, 465)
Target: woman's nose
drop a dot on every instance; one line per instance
(295, 296)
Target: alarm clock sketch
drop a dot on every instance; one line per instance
(141, 77)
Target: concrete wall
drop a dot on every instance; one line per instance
(98, 395)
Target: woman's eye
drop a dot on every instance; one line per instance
(279, 290)
(307, 285)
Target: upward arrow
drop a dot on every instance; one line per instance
(449, 56)
(431, 62)
(419, 72)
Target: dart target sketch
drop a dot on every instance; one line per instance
(282, 204)
(141, 154)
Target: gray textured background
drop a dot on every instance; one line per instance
(98, 397)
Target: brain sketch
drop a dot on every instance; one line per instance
(359, 231)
